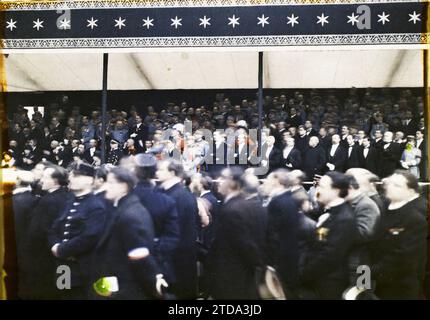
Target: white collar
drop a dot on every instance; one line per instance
(334, 203)
(204, 192)
(21, 190)
(166, 185)
(230, 196)
(398, 205)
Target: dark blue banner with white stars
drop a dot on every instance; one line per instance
(227, 23)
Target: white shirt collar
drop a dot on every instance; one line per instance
(166, 185)
(21, 190)
(204, 192)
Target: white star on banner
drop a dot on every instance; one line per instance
(176, 22)
(322, 19)
(234, 21)
(148, 22)
(92, 23)
(414, 17)
(38, 24)
(383, 18)
(263, 20)
(353, 19)
(120, 23)
(64, 24)
(292, 20)
(11, 24)
(204, 22)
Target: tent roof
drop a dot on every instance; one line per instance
(215, 70)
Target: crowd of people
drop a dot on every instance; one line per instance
(179, 213)
(124, 236)
(376, 130)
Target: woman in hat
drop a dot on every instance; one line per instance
(411, 157)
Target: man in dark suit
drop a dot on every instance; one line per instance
(325, 141)
(368, 156)
(291, 157)
(89, 153)
(271, 156)
(353, 154)
(409, 124)
(218, 155)
(336, 158)
(302, 140)
(76, 232)
(310, 131)
(23, 202)
(400, 253)
(125, 251)
(236, 252)
(422, 145)
(390, 155)
(162, 210)
(185, 258)
(324, 265)
(139, 133)
(314, 160)
(38, 268)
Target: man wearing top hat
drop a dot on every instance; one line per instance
(162, 209)
(75, 233)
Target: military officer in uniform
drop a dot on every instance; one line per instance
(115, 154)
(75, 233)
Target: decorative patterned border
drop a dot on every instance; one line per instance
(53, 5)
(252, 41)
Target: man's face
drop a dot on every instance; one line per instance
(93, 143)
(290, 142)
(419, 135)
(325, 192)
(81, 149)
(335, 139)
(388, 136)
(224, 183)
(322, 132)
(302, 131)
(308, 124)
(46, 180)
(378, 134)
(395, 187)
(361, 134)
(79, 182)
(366, 142)
(350, 140)
(162, 173)
(344, 130)
(138, 119)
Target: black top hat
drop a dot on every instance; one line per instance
(84, 169)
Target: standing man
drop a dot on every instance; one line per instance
(236, 252)
(75, 233)
(401, 249)
(125, 251)
(368, 156)
(324, 267)
(38, 270)
(314, 159)
(170, 174)
(337, 155)
(115, 154)
(421, 144)
(162, 210)
(291, 157)
(139, 133)
(353, 155)
(390, 156)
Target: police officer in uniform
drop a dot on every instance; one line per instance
(115, 154)
(75, 233)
